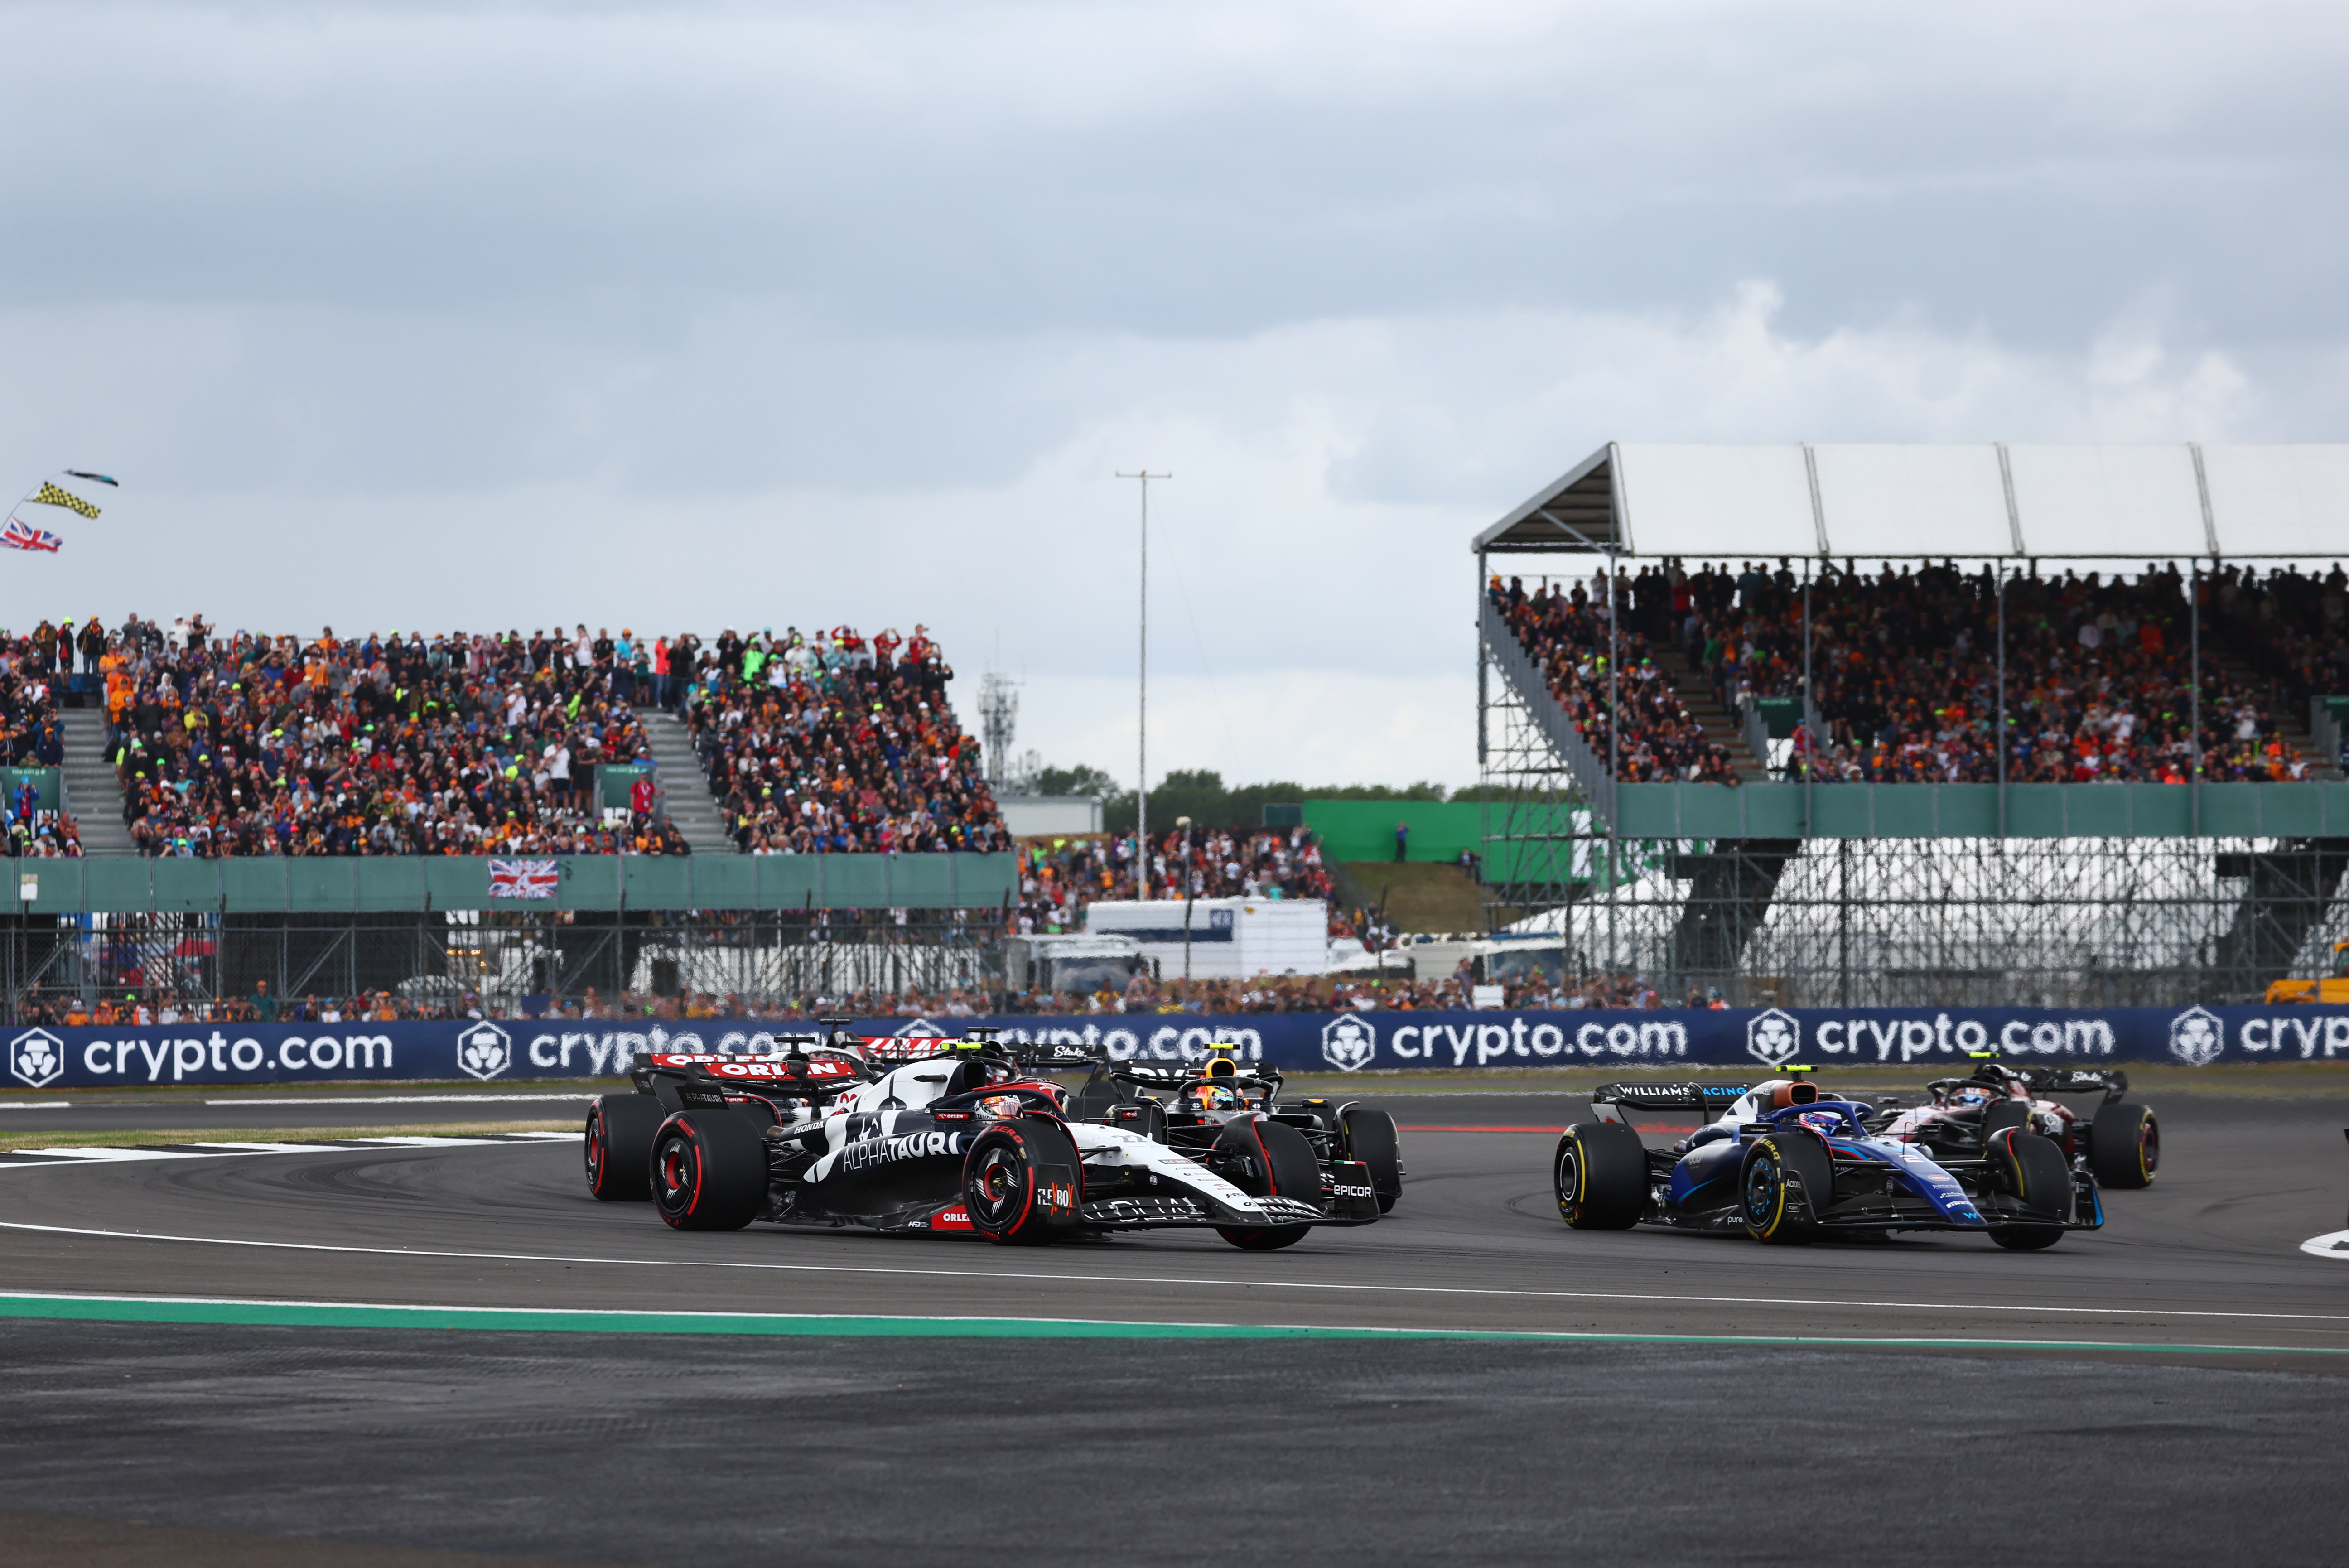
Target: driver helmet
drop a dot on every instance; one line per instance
(1000, 1105)
(1219, 1097)
(1971, 1095)
(1821, 1122)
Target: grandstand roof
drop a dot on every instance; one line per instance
(1980, 501)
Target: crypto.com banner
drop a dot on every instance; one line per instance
(46, 1058)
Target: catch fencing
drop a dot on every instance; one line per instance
(505, 962)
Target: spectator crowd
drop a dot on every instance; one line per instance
(1060, 876)
(1903, 669)
(462, 743)
(1620, 701)
(836, 743)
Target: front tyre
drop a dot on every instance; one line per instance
(1600, 1175)
(708, 1171)
(2124, 1145)
(1773, 1211)
(1371, 1138)
(1019, 1181)
(620, 1133)
(2026, 1165)
(1266, 1158)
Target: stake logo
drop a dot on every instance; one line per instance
(1349, 1043)
(37, 1057)
(484, 1051)
(1773, 1038)
(2197, 1037)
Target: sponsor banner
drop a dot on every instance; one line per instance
(1757, 1038)
(98, 1057)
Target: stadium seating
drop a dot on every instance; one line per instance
(1903, 670)
(837, 744)
(460, 743)
(1566, 633)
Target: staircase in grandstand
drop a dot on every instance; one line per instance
(93, 793)
(684, 789)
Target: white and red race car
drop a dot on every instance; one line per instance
(2120, 1142)
(930, 1136)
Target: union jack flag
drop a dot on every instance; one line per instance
(23, 535)
(522, 878)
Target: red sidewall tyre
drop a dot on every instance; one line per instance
(619, 1146)
(1000, 1175)
(708, 1171)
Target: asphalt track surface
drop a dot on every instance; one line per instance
(2169, 1385)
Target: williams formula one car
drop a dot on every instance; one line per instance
(929, 1136)
(1784, 1163)
(2120, 1143)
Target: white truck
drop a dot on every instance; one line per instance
(1229, 938)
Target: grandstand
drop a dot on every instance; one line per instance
(1878, 725)
(802, 816)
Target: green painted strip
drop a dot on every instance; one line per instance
(560, 1320)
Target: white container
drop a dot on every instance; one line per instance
(1231, 939)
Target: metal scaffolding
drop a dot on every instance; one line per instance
(763, 959)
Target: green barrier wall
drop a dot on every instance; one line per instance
(264, 884)
(1972, 811)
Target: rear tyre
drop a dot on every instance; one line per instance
(1266, 1158)
(1371, 1138)
(620, 1132)
(1771, 1211)
(1020, 1182)
(2124, 1145)
(2032, 1169)
(708, 1171)
(1600, 1175)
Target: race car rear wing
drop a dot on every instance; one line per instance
(2109, 1081)
(1610, 1101)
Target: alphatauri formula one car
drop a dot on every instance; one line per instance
(1783, 1162)
(2120, 1143)
(934, 1137)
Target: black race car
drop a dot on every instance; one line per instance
(2120, 1142)
(1188, 1108)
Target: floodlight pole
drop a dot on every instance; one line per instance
(1142, 704)
(1998, 742)
(2194, 694)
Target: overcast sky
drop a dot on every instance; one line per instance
(663, 314)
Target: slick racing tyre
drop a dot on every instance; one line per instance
(1266, 1158)
(2124, 1145)
(1771, 1212)
(620, 1130)
(2031, 1168)
(2000, 1115)
(1371, 1138)
(1601, 1177)
(708, 1171)
(1021, 1181)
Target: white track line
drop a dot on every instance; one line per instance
(2334, 1244)
(66, 1158)
(35, 1105)
(1158, 1281)
(385, 1099)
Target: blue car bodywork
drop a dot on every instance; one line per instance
(1827, 1171)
